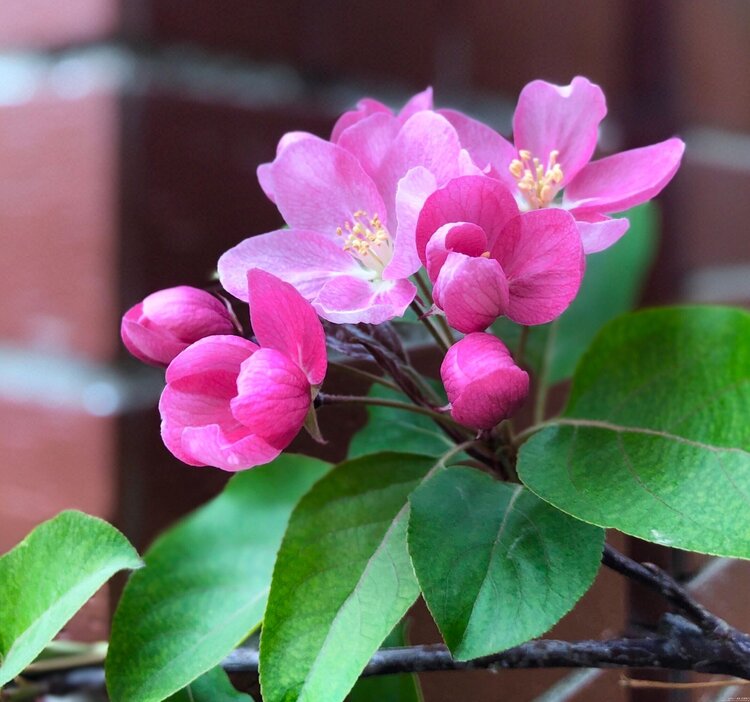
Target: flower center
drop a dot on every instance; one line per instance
(367, 240)
(537, 183)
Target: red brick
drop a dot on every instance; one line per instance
(55, 23)
(58, 211)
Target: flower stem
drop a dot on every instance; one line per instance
(542, 381)
(441, 342)
(372, 377)
(424, 288)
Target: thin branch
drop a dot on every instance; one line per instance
(366, 375)
(439, 340)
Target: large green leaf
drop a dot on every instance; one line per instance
(655, 438)
(206, 583)
(213, 686)
(388, 428)
(610, 287)
(497, 565)
(343, 578)
(48, 577)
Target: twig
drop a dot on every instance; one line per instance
(372, 377)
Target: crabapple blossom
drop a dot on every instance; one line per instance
(483, 383)
(234, 404)
(168, 321)
(486, 259)
(555, 134)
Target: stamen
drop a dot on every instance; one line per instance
(367, 240)
(539, 184)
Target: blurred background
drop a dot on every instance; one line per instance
(130, 131)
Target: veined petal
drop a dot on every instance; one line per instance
(477, 199)
(473, 292)
(349, 300)
(559, 118)
(284, 321)
(210, 364)
(460, 237)
(273, 397)
(365, 108)
(486, 402)
(621, 181)
(542, 255)
(303, 258)
(412, 191)
(265, 170)
(485, 145)
(210, 446)
(369, 140)
(416, 103)
(599, 232)
(319, 186)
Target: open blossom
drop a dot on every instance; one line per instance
(486, 259)
(483, 383)
(555, 134)
(234, 404)
(352, 208)
(168, 321)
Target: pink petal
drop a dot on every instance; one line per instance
(273, 397)
(284, 321)
(210, 365)
(365, 108)
(563, 118)
(459, 237)
(369, 140)
(542, 255)
(417, 103)
(155, 347)
(210, 446)
(350, 300)
(473, 292)
(483, 383)
(412, 191)
(485, 145)
(265, 170)
(621, 181)
(319, 185)
(599, 232)
(303, 258)
(477, 199)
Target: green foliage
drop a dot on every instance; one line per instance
(613, 280)
(213, 686)
(343, 578)
(655, 438)
(206, 583)
(48, 577)
(497, 565)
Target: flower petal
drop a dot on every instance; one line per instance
(303, 258)
(284, 321)
(473, 292)
(365, 108)
(461, 237)
(319, 185)
(562, 118)
(542, 255)
(477, 199)
(369, 140)
(416, 103)
(273, 397)
(211, 447)
(621, 181)
(349, 300)
(599, 232)
(485, 145)
(265, 170)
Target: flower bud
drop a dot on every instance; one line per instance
(168, 321)
(483, 383)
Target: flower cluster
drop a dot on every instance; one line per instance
(500, 228)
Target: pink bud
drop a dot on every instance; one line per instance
(168, 321)
(483, 383)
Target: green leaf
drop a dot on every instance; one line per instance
(213, 686)
(206, 583)
(343, 578)
(378, 688)
(497, 565)
(611, 286)
(655, 438)
(388, 428)
(48, 577)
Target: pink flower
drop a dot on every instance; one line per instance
(486, 259)
(168, 321)
(483, 383)
(555, 133)
(233, 404)
(352, 208)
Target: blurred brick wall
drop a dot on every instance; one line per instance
(129, 137)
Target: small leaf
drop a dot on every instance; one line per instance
(388, 428)
(497, 566)
(655, 439)
(213, 686)
(48, 577)
(611, 286)
(206, 583)
(343, 578)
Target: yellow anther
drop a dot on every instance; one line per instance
(524, 154)
(538, 183)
